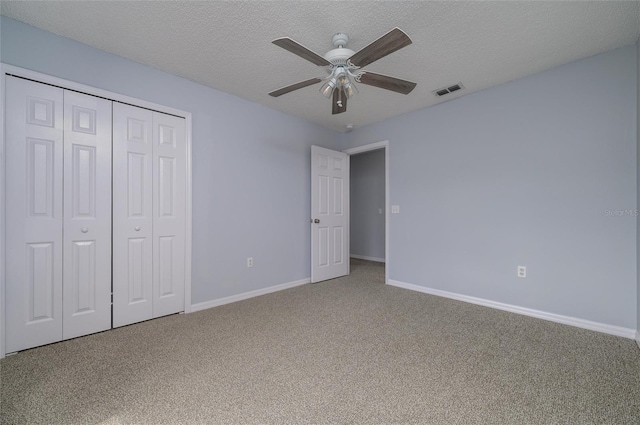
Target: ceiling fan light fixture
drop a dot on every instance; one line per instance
(348, 87)
(340, 80)
(327, 87)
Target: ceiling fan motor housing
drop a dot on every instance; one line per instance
(339, 56)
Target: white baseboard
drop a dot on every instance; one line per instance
(567, 320)
(364, 257)
(246, 295)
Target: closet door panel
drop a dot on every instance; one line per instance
(87, 215)
(169, 225)
(34, 167)
(132, 214)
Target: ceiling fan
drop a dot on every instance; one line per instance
(344, 67)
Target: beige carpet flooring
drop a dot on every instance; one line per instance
(346, 351)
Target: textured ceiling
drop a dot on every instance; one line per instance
(227, 45)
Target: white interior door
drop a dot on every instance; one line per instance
(34, 161)
(329, 214)
(86, 284)
(132, 214)
(169, 214)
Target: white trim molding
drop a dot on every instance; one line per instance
(552, 317)
(366, 148)
(364, 257)
(387, 195)
(2, 214)
(246, 295)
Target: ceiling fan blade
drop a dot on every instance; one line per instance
(336, 108)
(388, 83)
(293, 87)
(394, 40)
(298, 49)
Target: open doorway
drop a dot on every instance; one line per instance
(369, 210)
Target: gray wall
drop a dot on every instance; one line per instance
(533, 173)
(638, 184)
(251, 167)
(367, 198)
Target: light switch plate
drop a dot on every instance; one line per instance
(522, 271)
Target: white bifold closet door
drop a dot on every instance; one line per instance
(34, 146)
(58, 214)
(86, 272)
(132, 215)
(149, 176)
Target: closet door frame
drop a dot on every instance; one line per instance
(6, 69)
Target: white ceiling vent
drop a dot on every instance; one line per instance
(446, 90)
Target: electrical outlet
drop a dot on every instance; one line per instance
(522, 271)
(249, 262)
(395, 209)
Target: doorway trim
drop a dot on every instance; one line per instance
(387, 198)
(6, 69)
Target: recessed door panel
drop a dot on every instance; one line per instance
(167, 135)
(139, 271)
(138, 129)
(33, 258)
(40, 282)
(41, 111)
(323, 246)
(87, 215)
(84, 181)
(338, 195)
(83, 277)
(323, 195)
(167, 181)
(338, 245)
(132, 214)
(84, 120)
(323, 161)
(40, 181)
(167, 261)
(137, 184)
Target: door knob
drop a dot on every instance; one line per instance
(315, 220)
(84, 229)
(137, 228)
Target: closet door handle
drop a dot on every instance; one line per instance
(137, 228)
(84, 229)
